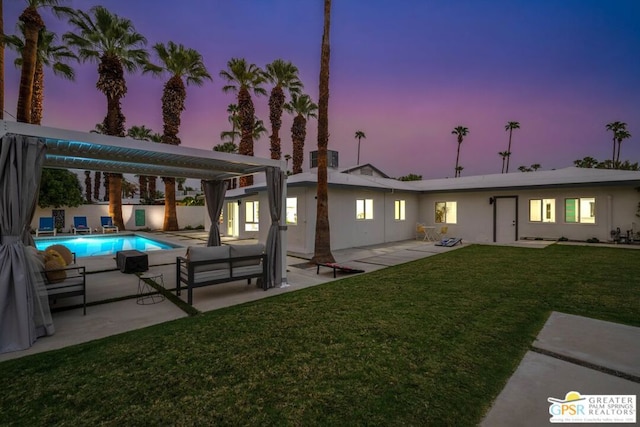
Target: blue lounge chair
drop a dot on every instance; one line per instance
(80, 225)
(45, 226)
(107, 224)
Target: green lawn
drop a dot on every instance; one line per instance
(430, 342)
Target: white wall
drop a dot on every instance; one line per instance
(615, 207)
(154, 215)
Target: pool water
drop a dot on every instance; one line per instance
(86, 246)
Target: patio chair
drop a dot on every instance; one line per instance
(80, 225)
(107, 224)
(421, 231)
(442, 234)
(45, 226)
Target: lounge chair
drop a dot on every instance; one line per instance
(107, 224)
(46, 226)
(80, 225)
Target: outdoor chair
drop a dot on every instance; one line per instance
(443, 232)
(80, 225)
(45, 226)
(107, 224)
(421, 231)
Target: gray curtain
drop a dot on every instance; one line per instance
(275, 182)
(214, 195)
(24, 306)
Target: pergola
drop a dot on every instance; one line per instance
(25, 149)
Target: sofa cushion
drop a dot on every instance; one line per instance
(246, 250)
(209, 253)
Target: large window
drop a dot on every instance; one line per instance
(364, 209)
(446, 212)
(582, 210)
(252, 216)
(399, 210)
(542, 210)
(292, 210)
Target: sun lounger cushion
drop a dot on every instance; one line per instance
(208, 253)
(246, 250)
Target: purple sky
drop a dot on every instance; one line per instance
(406, 73)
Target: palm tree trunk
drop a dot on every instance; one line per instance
(509, 150)
(170, 215)
(276, 101)
(87, 184)
(246, 112)
(32, 25)
(38, 94)
(618, 155)
(298, 135)
(613, 158)
(458, 157)
(96, 185)
(322, 250)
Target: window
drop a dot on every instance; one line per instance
(252, 218)
(399, 210)
(582, 210)
(447, 212)
(292, 210)
(332, 159)
(364, 209)
(542, 210)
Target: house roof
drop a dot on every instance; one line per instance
(567, 177)
(92, 151)
(352, 169)
(571, 176)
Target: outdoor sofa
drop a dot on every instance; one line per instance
(211, 265)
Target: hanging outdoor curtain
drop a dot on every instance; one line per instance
(214, 195)
(24, 305)
(275, 182)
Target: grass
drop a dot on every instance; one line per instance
(430, 342)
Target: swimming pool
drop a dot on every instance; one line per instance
(86, 246)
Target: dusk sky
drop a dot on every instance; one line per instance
(404, 72)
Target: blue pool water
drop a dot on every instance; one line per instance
(85, 246)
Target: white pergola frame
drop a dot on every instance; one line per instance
(68, 149)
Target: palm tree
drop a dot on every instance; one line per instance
(33, 23)
(459, 170)
(283, 75)
(322, 248)
(504, 155)
(615, 127)
(182, 64)
(510, 126)
(621, 135)
(114, 44)
(359, 136)
(587, 162)
(244, 78)
(226, 147)
(87, 186)
(303, 108)
(99, 128)
(460, 132)
(536, 166)
(151, 180)
(48, 54)
(232, 109)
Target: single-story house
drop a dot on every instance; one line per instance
(366, 207)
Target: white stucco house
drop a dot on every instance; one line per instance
(366, 207)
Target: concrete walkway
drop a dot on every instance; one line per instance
(570, 354)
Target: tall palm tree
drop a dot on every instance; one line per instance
(621, 135)
(303, 108)
(244, 78)
(322, 248)
(182, 64)
(615, 127)
(232, 109)
(284, 76)
(116, 46)
(48, 54)
(504, 155)
(359, 136)
(87, 186)
(510, 126)
(460, 132)
(152, 180)
(33, 23)
(142, 133)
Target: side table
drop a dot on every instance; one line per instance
(147, 294)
